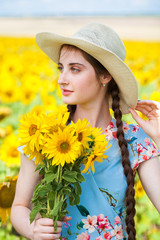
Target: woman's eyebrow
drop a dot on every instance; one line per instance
(71, 64)
(76, 64)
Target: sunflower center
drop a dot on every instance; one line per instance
(7, 195)
(80, 137)
(32, 130)
(64, 146)
(28, 95)
(14, 152)
(9, 93)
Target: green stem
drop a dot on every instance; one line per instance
(57, 196)
(59, 178)
(48, 206)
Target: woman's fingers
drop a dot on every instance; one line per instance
(49, 229)
(149, 108)
(49, 236)
(65, 219)
(142, 110)
(136, 117)
(44, 229)
(48, 222)
(149, 104)
(146, 107)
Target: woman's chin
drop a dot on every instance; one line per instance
(69, 102)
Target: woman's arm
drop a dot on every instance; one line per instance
(149, 171)
(151, 126)
(41, 228)
(149, 174)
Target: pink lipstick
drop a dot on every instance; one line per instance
(66, 92)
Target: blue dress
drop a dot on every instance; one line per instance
(101, 212)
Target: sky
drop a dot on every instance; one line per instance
(28, 8)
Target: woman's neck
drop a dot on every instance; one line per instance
(98, 116)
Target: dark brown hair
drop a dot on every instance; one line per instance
(113, 90)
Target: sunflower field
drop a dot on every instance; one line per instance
(28, 82)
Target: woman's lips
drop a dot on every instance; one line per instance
(66, 92)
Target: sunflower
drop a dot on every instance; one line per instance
(82, 132)
(96, 155)
(49, 102)
(4, 132)
(31, 131)
(37, 156)
(62, 146)
(7, 192)
(62, 109)
(4, 112)
(9, 152)
(38, 110)
(139, 191)
(57, 120)
(97, 135)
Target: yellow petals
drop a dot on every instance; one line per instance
(62, 147)
(139, 191)
(7, 192)
(31, 130)
(8, 151)
(4, 112)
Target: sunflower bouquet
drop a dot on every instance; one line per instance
(62, 153)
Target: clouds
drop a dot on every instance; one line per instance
(62, 7)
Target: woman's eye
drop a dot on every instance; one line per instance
(75, 69)
(59, 68)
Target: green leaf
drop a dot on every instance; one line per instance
(78, 189)
(56, 208)
(69, 178)
(71, 200)
(40, 166)
(84, 212)
(65, 191)
(70, 173)
(49, 177)
(80, 225)
(34, 212)
(42, 171)
(80, 178)
(51, 197)
(69, 231)
(76, 199)
(44, 190)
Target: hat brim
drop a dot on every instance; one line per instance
(50, 44)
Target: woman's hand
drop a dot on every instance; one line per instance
(151, 109)
(43, 229)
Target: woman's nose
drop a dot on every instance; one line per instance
(63, 79)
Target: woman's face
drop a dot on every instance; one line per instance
(78, 81)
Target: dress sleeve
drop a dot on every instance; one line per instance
(141, 146)
(20, 149)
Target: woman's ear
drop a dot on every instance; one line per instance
(106, 78)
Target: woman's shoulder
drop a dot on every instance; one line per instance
(129, 129)
(140, 145)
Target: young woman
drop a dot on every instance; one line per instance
(93, 78)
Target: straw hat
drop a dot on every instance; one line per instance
(104, 44)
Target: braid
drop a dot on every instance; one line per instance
(71, 109)
(130, 192)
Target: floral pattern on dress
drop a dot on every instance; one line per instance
(109, 196)
(102, 226)
(143, 150)
(104, 191)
